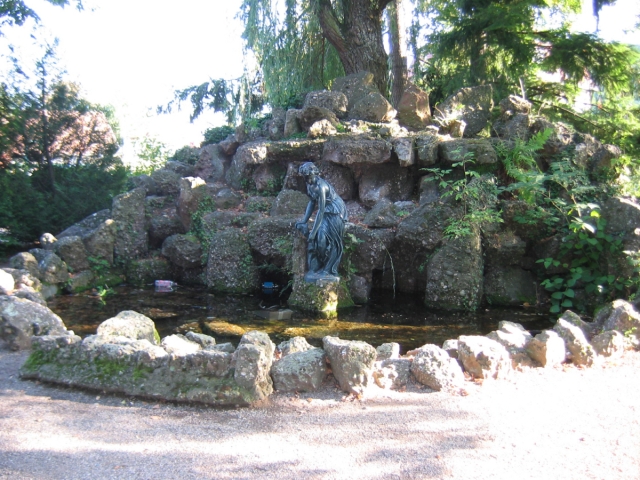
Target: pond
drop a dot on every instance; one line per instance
(404, 319)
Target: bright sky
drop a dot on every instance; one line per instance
(133, 54)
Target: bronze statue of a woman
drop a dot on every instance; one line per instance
(325, 244)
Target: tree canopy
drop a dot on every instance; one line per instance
(17, 12)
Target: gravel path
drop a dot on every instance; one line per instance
(568, 423)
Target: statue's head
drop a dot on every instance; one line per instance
(308, 169)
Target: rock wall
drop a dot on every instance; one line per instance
(126, 356)
(229, 219)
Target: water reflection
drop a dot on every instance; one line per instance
(403, 320)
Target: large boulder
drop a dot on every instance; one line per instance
(336, 102)
(384, 214)
(547, 348)
(131, 325)
(21, 319)
(163, 219)
(609, 344)
(183, 250)
(274, 128)
(392, 373)
(132, 240)
(472, 105)
(166, 181)
(100, 241)
(293, 345)
(290, 202)
(144, 271)
(310, 115)
(272, 239)
(481, 151)
(483, 357)
(454, 275)
(192, 191)
(503, 249)
(428, 147)
(404, 148)
(52, 269)
(246, 158)
(291, 123)
(356, 149)
(252, 361)
(355, 87)
(385, 181)
(351, 362)
(373, 107)
(417, 237)
(302, 371)
(509, 286)
(25, 261)
(268, 178)
(622, 316)
(413, 108)
(221, 219)
(602, 159)
(433, 367)
(214, 375)
(578, 347)
(230, 266)
(341, 179)
(211, 164)
(23, 278)
(73, 252)
(514, 338)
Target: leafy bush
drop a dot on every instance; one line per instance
(216, 134)
(28, 209)
(186, 154)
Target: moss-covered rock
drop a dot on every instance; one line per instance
(130, 366)
(146, 270)
(230, 266)
(322, 298)
(454, 275)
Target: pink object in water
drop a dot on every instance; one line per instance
(165, 285)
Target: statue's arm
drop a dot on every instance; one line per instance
(307, 214)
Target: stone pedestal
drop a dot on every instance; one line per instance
(321, 297)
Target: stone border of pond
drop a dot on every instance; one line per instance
(127, 356)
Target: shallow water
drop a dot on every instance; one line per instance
(404, 320)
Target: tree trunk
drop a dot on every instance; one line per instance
(399, 67)
(357, 36)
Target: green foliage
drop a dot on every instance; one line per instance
(238, 99)
(39, 358)
(103, 292)
(152, 155)
(217, 134)
(504, 42)
(107, 369)
(477, 194)
(28, 209)
(520, 164)
(99, 266)
(587, 246)
(16, 12)
(290, 49)
(351, 242)
(186, 154)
